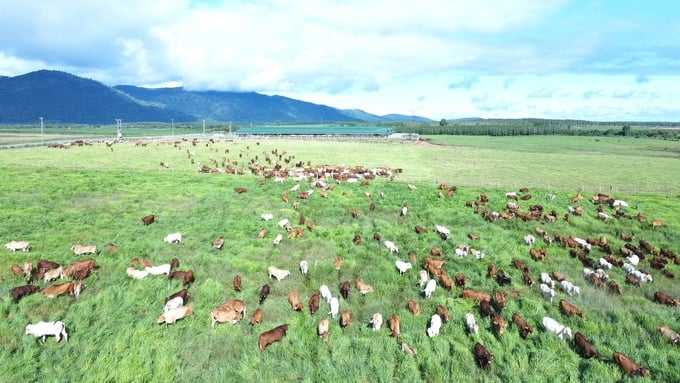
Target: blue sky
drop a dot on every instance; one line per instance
(595, 60)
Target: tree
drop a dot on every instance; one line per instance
(625, 131)
(443, 122)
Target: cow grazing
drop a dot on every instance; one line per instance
(556, 328)
(547, 292)
(413, 307)
(279, 274)
(471, 324)
(569, 309)
(522, 325)
(272, 336)
(666, 332)
(391, 247)
(165, 268)
(294, 301)
(172, 316)
(402, 266)
(502, 279)
(345, 289)
(314, 303)
(337, 263)
(498, 324)
(445, 280)
(218, 243)
(148, 220)
(615, 288)
(628, 365)
(665, 299)
(267, 216)
(491, 270)
(376, 321)
(17, 270)
(264, 293)
(435, 326)
(43, 329)
(429, 288)
(335, 307)
(322, 329)
(460, 279)
(19, 292)
(173, 303)
(277, 239)
(345, 319)
(443, 231)
(186, 277)
(17, 245)
(394, 326)
(443, 312)
(71, 288)
(482, 356)
(184, 293)
(223, 316)
(304, 267)
(325, 293)
(173, 238)
(410, 351)
(529, 240)
(584, 348)
(84, 249)
(237, 283)
(235, 305)
(363, 287)
(357, 239)
(485, 308)
(475, 295)
(423, 277)
(53, 274)
(569, 288)
(256, 318)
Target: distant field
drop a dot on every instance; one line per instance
(56, 198)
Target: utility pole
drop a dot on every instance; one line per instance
(119, 128)
(204, 127)
(42, 133)
(172, 126)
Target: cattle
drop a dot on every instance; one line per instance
(345, 289)
(71, 288)
(670, 334)
(284, 223)
(529, 240)
(148, 219)
(559, 276)
(502, 279)
(460, 279)
(485, 308)
(19, 292)
(237, 283)
(413, 307)
(304, 267)
(79, 268)
(391, 247)
(223, 316)
(435, 326)
(294, 301)
(521, 266)
(445, 280)
(471, 324)
(491, 270)
(17, 270)
(556, 328)
(628, 365)
(322, 329)
(279, 274)
(569, 309)
(272, 336)
(17, 245)
(262, 234)
(235, 305)
(173, 238)
(325, 293)
(266, 216)
(665, 299)
(313, 303)
(43, 329)
(172, 316)
(173, 303)
(569, 288)
(410, 351)
(475, 295)
(186, 277)
(429, 288)
(633, 280)
(524, 328)
(337, 263)
(526, 277)
(357, 239)
(585, 349)
(423, 277)
(264, 293)
(277, 239)
(335, 307)
(443, 312)
(345, 319)
(53, 274)
(402, 266)
(443, 231)
(461, 250)
(363, 287)
(614, 287)
(547, 292)
(84, 249)
(482, 356)
(184, 293)
(376, 236)
(256, 318)
(537, 254)
(394, 326)
(498, 323)
(165, 268)
(218, 243)
(420, 229)
(376, 321)
(657, 223)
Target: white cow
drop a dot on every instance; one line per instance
(335, 307)
(556, 328)
(471, 324)
(84, 249)
(605, 264)
(17, 245)
(53, 274)
(173, 238)
(633, 259)
(283, 222)
(267, 216)
(547, 292)
(402, 266)
(569, 288)
(443, 231)
(430, 287)
(545, 278)
(391, 246)
(159, 269)
(304, 266)
(628, 267)
(43, 329)
(529, 239)
(404, 210)
(435, 325)
(136, 274)
(376, 321)
(424, 277)
(173, 303)
(325, 293)
(279, 274)
(278, 239)
(462, 250)
(617, 203)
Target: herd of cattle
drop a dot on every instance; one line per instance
(595, 254)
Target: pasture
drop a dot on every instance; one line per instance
(55, 198)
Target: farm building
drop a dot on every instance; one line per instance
(317, 130)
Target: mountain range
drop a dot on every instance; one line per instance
(60, 97)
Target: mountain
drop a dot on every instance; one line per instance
(61, 97)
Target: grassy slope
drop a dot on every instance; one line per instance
(112, 328)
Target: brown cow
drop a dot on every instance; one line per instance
(345, 289)
(19, 292)
(476, 295)
(237, 282)
(568, 309)
(186, 277)
(443, 312)
(527, 279)
(236, 305)
(670, 334)
(264, 293)
(482, 356)
(294, 301)
(314, 303)
(491, 270)
(629, 366)
(420, 230)
(67, 287)
(357, 239)
(585, 348)
(524, 328)
(633, 281)
(218, 243)
(148, 220)
(435, 251)
(345, 319)
(499, 302)
(337, 263)
(272, 336)
(394, 326)
(445, 280)
(224, 316)
(322, 329)
(615, 288)
(461, 279)
(485, 308)
(498, 323)
(256, 318)
(665, 299)
(413, 307)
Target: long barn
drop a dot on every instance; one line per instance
(318, 131)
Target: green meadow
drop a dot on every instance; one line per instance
(55, 198)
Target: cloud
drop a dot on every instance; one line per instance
(466, 82)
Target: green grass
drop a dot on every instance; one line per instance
(55, 198)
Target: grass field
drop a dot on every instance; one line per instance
(55, 198)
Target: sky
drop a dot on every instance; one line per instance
(598, 60)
